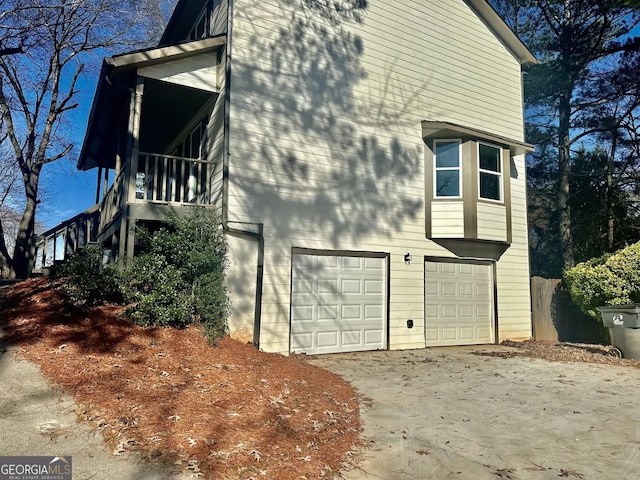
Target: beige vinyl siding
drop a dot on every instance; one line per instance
(241, 286)
(513, 267)
(215, 150)
(215, 141)
(199, 71)
(325, 136)
(492, 222)
(447, 219)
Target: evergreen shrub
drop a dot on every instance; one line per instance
(177, 280)
(613, 279)
(88, 280)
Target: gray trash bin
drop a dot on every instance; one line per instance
(623, 322)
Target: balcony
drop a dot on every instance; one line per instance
(161, 180)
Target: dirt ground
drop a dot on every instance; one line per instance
(517, 411)
(493, 412)
(228, 411)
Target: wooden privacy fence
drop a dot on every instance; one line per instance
(556, 318)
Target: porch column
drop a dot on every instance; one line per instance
(98, 187)
(127, 237)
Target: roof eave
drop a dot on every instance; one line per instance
(144, 58)
(435, 130)
(499, 27)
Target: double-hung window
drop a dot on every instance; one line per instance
(490, 172)
(447, 176)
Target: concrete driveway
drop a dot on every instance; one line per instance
(446, 413)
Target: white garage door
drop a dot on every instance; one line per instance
(337, 303)
(458, 303)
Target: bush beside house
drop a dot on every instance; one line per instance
(613, 279)
(177, 280)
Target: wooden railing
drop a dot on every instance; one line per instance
(161, 179)
(174, 180)
(65, 238)
(113, 201)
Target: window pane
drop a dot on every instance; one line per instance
(489, 186)
(447, 183)
(447, 154)
(489, 158)
(195, 143)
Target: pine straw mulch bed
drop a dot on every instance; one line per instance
(228, 411)
(562, 352)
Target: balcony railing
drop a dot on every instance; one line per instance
(69, 236)
(113, 201)
(162, 179)
(174, 180)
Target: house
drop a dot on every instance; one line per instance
(367, 157)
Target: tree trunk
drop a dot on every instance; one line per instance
(24, 241)
(610, 216)
(5, 259)
(564, 171)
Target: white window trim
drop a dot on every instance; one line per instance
(436, 169)
(491, 172)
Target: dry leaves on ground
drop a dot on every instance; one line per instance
(562, 352)
(228, 411)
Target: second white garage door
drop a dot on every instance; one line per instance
(338, 303)
(458, 303)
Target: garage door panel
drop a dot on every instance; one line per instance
(351, 338)
(328, 312)
(373, 337)
(347, 295)
(303, 313)
(467, 311)
(373, 287)
(351, 312)
(467, 333)
(351, 286)
(301, 341)
(351, 263)
(327, 339)
(458, 303)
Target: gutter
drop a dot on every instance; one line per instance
(244, 230)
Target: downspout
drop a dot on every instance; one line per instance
(257, 233)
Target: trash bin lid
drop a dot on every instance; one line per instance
(627, 308)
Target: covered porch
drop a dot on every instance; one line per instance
(154, 137)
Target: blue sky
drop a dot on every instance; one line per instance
(66, 191)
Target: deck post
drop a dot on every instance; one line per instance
(127, 238)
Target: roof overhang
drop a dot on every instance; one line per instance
(497, 25)
(443, 130)
(113, 94)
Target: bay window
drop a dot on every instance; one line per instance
(447, 168)
(490, 172)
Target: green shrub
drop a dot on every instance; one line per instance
(609, 280)
(180, 279)
(89, 282)
(156, 293)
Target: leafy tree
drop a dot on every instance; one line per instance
(39, 87)
(582, 91)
